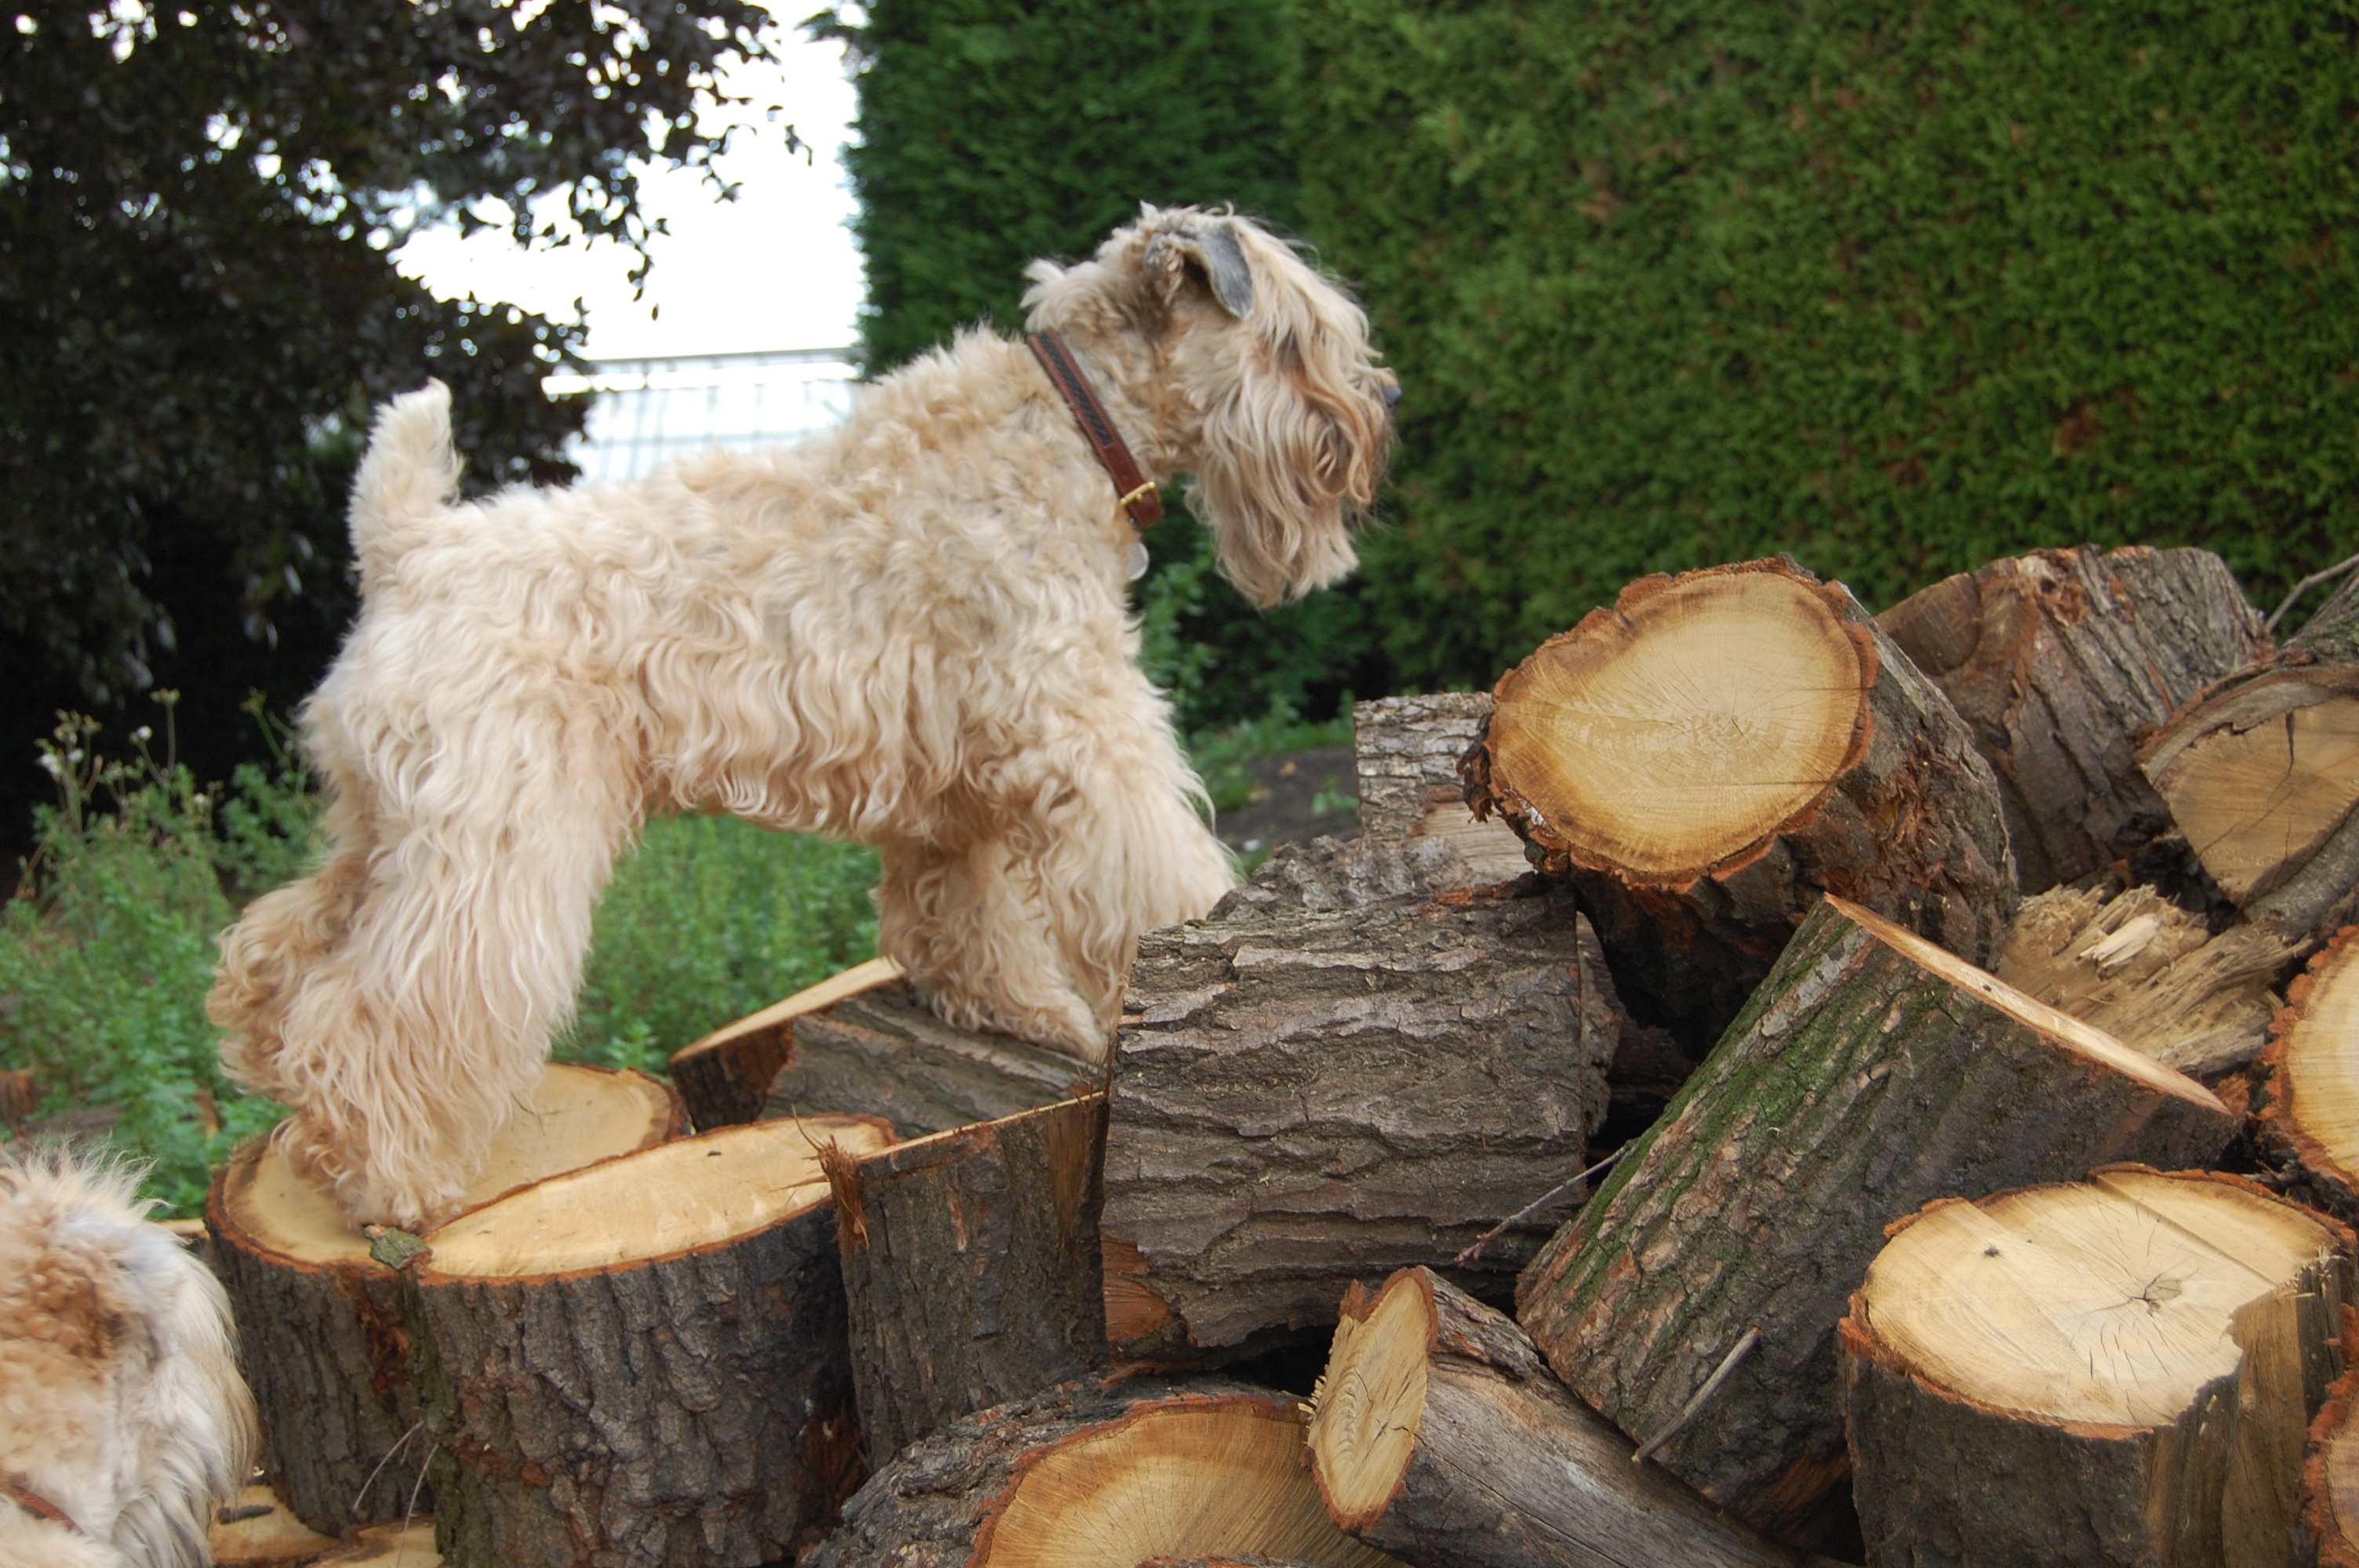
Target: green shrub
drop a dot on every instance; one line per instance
(106, 951)
(709, 919)
(1898, 289)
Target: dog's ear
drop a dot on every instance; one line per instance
(1209, 244)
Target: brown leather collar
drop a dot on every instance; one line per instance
(1138, 496)
(33, 1503)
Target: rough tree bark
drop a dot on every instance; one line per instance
(643, 1364)
(322, 1338)
(2306, 1104)
(1086, 1476)
(2111, 1374)
(1408, 749)
(2059, 660)
(884, 1053)
(1873, 1073)
(2151, 975)
(971, 1267)
(724, 1078)
(1708, 756)
(1304, 1099)
(1437, 1435)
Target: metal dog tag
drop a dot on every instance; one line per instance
(1137, 560)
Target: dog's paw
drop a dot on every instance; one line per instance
(1059, 1021)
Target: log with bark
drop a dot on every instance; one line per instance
(1437, 1435)
(2261, 773)
(2306, 1103)
(724, 1078)
(1086, 1476)
(2060, 661)
(2114, 1372)
(2328, 1533)
(1304, 1099)
(884, 1053)
(971, 1267)
(1408, 749)
(642, 1364)
(321, 1335)
(2151, 974)
(1707, 757)
(1873, 1073)
(21, 1097)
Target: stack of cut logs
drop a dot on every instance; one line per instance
(1960, 999)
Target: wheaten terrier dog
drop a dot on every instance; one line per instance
(911, 631)
(124, 1423)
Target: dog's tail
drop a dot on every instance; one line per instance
(406, 477)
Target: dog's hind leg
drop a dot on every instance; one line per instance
(405, 1045)
(977, 946)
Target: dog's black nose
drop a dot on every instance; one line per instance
(1392, 397)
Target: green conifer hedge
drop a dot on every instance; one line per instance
(1898, 288)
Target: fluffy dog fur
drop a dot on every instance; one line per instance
(120, 1400)
(911, 631)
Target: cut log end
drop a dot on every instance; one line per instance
(408, 1545)
(2257, 802)
(1218, 1479)
(694, 1193)
(2307, 1114)
(2096, 1372)
(1370, 1402)
(1687, 727)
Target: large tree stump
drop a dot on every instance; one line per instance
(2107, 1374)
(724, 1078)
(2059, 660)
(2306, 1108)
(971, 1267)
(884, 1053)
(1407, 748)
(1708, 756)
(1873, 1073)
(2151, 974)
(1437, 1435)
(321, 1335)
(1081, 1477)
(642, 1364)
(1303, 1099)
(2261, 773)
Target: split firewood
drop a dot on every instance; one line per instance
(2328, 1534)
(259, 1531)
(1085, 1477)
(1408, 749)
(321, 1335)
(1437, 1435)
(2306, 1106)
(2058, 660)
(1301, 1099)
(408, 1545)
(1873, 1073)
(2262, 770)
(971, 1267)
(2151, 975)
(725, 1077)
(884, 1053)
(1709, 755)
(2102, 1374)
(644, 1362)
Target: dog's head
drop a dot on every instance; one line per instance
(120, 1399)
(1261, 376)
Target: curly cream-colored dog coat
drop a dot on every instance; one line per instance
(124, 1423)
(912, 631)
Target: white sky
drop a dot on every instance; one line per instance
(775, 269)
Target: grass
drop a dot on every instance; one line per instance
(106, 950)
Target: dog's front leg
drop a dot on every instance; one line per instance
(977, 946)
